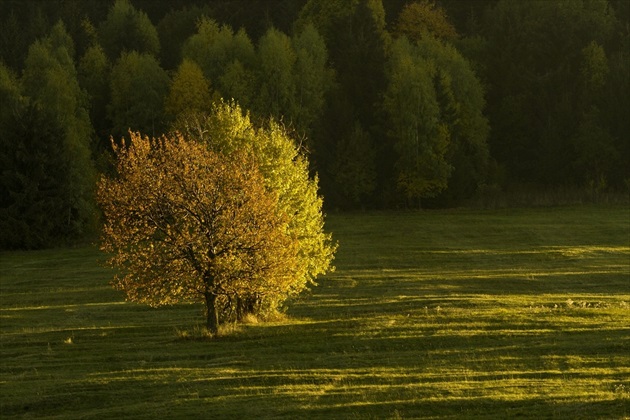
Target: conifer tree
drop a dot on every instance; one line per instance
(48, 168)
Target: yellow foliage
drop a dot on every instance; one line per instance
(189, 92)
(228, 130)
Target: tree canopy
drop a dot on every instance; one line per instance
(185, 223)
(227, 130)
(219, 212)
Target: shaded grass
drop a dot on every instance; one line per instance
(460, 314)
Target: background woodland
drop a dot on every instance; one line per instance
(397, 104)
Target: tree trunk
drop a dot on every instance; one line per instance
(212, 315)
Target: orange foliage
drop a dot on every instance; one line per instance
(185, 224)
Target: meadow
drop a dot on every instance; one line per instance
(435, 314)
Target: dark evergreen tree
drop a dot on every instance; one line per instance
(36, 210)
(534, 62)
(358, 42)
(138, 89)
(47, 175)
(128, 29)
(174, 29)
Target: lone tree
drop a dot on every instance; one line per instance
(227, 130)
(188, 224)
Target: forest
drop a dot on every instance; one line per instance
(397, 104)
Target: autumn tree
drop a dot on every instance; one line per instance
(188, 224)
(227, 129)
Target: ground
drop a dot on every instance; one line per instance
(445, 314)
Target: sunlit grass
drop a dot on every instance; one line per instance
(462, 314)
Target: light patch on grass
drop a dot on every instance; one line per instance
(65, 307)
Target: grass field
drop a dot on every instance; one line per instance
(449, 314)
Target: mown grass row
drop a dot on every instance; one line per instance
(460, 314)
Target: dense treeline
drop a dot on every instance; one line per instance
(397, 103)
